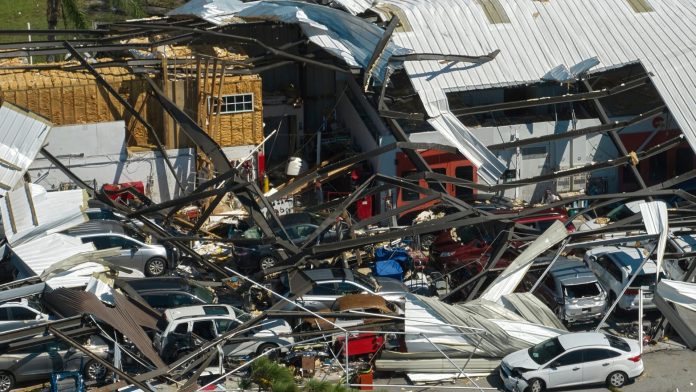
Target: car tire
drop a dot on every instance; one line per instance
(267, 262)
(616, 379)
(536, 385)
(94, 371)
(265, 347)
(156, 266)
(7, 382)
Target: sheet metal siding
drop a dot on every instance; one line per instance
(544, 34)
(21, 137)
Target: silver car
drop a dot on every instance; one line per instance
(136, 250)
(573, 292)
(36, 363)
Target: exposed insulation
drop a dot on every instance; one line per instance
(73, 97)
(233, 129)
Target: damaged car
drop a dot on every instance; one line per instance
(573, 359)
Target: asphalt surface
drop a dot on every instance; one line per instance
(666, 370)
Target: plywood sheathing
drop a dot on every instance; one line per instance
(73, 97)
(238, 128)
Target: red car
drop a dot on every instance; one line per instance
(472, 244)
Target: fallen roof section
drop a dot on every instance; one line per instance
(677, 302)
(514, 273)
(30, 212)
(22, 134)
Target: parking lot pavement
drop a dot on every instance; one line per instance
(665, 371)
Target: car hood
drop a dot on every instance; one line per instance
(388, 285)
(521, 360)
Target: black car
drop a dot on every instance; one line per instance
(298, 226)
(171, 292)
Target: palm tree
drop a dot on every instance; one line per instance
(75, 16)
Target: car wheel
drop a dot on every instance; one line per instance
(6, 382)
(616, 379)
(267, 262)
(266, 347)
(94, 370)
(535, 385)
(156, 266)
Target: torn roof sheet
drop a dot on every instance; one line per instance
(347, 37)
(61, 260)
(29, 212)
(22, 134)
(534, 37)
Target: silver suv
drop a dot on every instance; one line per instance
(136, 250)
(573, 292)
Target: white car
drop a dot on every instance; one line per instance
(614, 266)
(190, 326)
(572, 359)
(19, 314)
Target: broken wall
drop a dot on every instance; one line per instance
(233, 129)
(74, 97)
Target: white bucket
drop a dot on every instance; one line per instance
(296, 165)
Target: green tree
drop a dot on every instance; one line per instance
(73, 15)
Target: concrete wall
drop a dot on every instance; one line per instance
(97, 152)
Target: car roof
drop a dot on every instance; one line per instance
(582, 339)
(97, 227)
(200, 311)
(157, 284)
(627, 257)
(362, 301)
(570, 272)
(329, 274)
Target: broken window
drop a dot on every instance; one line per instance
(465, 173)
(236, 103)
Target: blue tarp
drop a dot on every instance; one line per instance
(389, 269)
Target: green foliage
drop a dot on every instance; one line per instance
(73, 14)
(269, 375)
(324, 386)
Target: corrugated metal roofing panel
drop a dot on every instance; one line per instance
(22, 134)
(542, 35)
(29, 213)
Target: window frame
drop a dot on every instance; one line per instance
(225, 105)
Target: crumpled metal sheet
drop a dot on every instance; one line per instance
(124, 317)
(458, 327)
(677, 302)
(532, 309)
(489, 167)
(346, 36)
(54, 212)
(22, 134)
(655, 218)
(511, 277)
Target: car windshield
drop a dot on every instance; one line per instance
(252, 233)
(582, 290)
(644, 280)
(618, 343)
(546, 351)
(364, 281)
(619, 213)
(204, 294)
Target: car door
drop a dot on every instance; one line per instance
(565, 370)
(238, 348)
(39, 361)
(131, 256)
(597, 364)
(321, 296)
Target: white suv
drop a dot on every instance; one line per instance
(189, 326)
(614, 266)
